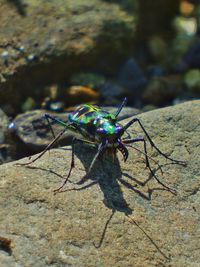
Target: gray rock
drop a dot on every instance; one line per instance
(32, 128)
(59, 230)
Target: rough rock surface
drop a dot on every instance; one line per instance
(59, 230)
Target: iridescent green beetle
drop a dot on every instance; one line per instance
(101, 128)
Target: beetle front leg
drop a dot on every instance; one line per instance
(101, 149)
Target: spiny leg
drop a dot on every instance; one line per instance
(151, 142)
(44, 151)
(72, 165)
(101, 149)
(141, 139)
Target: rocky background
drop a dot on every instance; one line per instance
(55, 55)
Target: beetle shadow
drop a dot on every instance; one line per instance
(109, 175)
(110, 179)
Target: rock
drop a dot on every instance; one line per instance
(53, 41)
(156, 71)
(6, 153)
(33, 131)
(158, 49)
(29, 104)
(187, 26)
(191, 58)
(88, 79)
(148, 108)
(111, 91)
(131, 76)
(187, 8)
(81, 94)
(192, 80)
(162, 90)
(184, 50)
(59, 230)
(51, 105)
(133, 79)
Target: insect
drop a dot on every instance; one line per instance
(102, 130)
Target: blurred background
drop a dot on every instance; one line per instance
(55, 55)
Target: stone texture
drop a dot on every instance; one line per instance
(59, 230)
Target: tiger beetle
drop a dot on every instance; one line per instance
(102, 130)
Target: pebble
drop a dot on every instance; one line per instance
(186, 25)
(132, 76)
(32, 130)
(29, 104)
(81, 94)
(5, 55)
(191, 58)
(88, 79)
(192, 80)
(162, 90)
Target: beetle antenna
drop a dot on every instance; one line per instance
(121, 107)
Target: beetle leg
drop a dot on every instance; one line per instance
(44, 151)
(101, 149)
(48, 117)
(72, 165)
(146, 155)
(141, 139)
(151, 142)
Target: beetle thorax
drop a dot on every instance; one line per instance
(109, 130)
